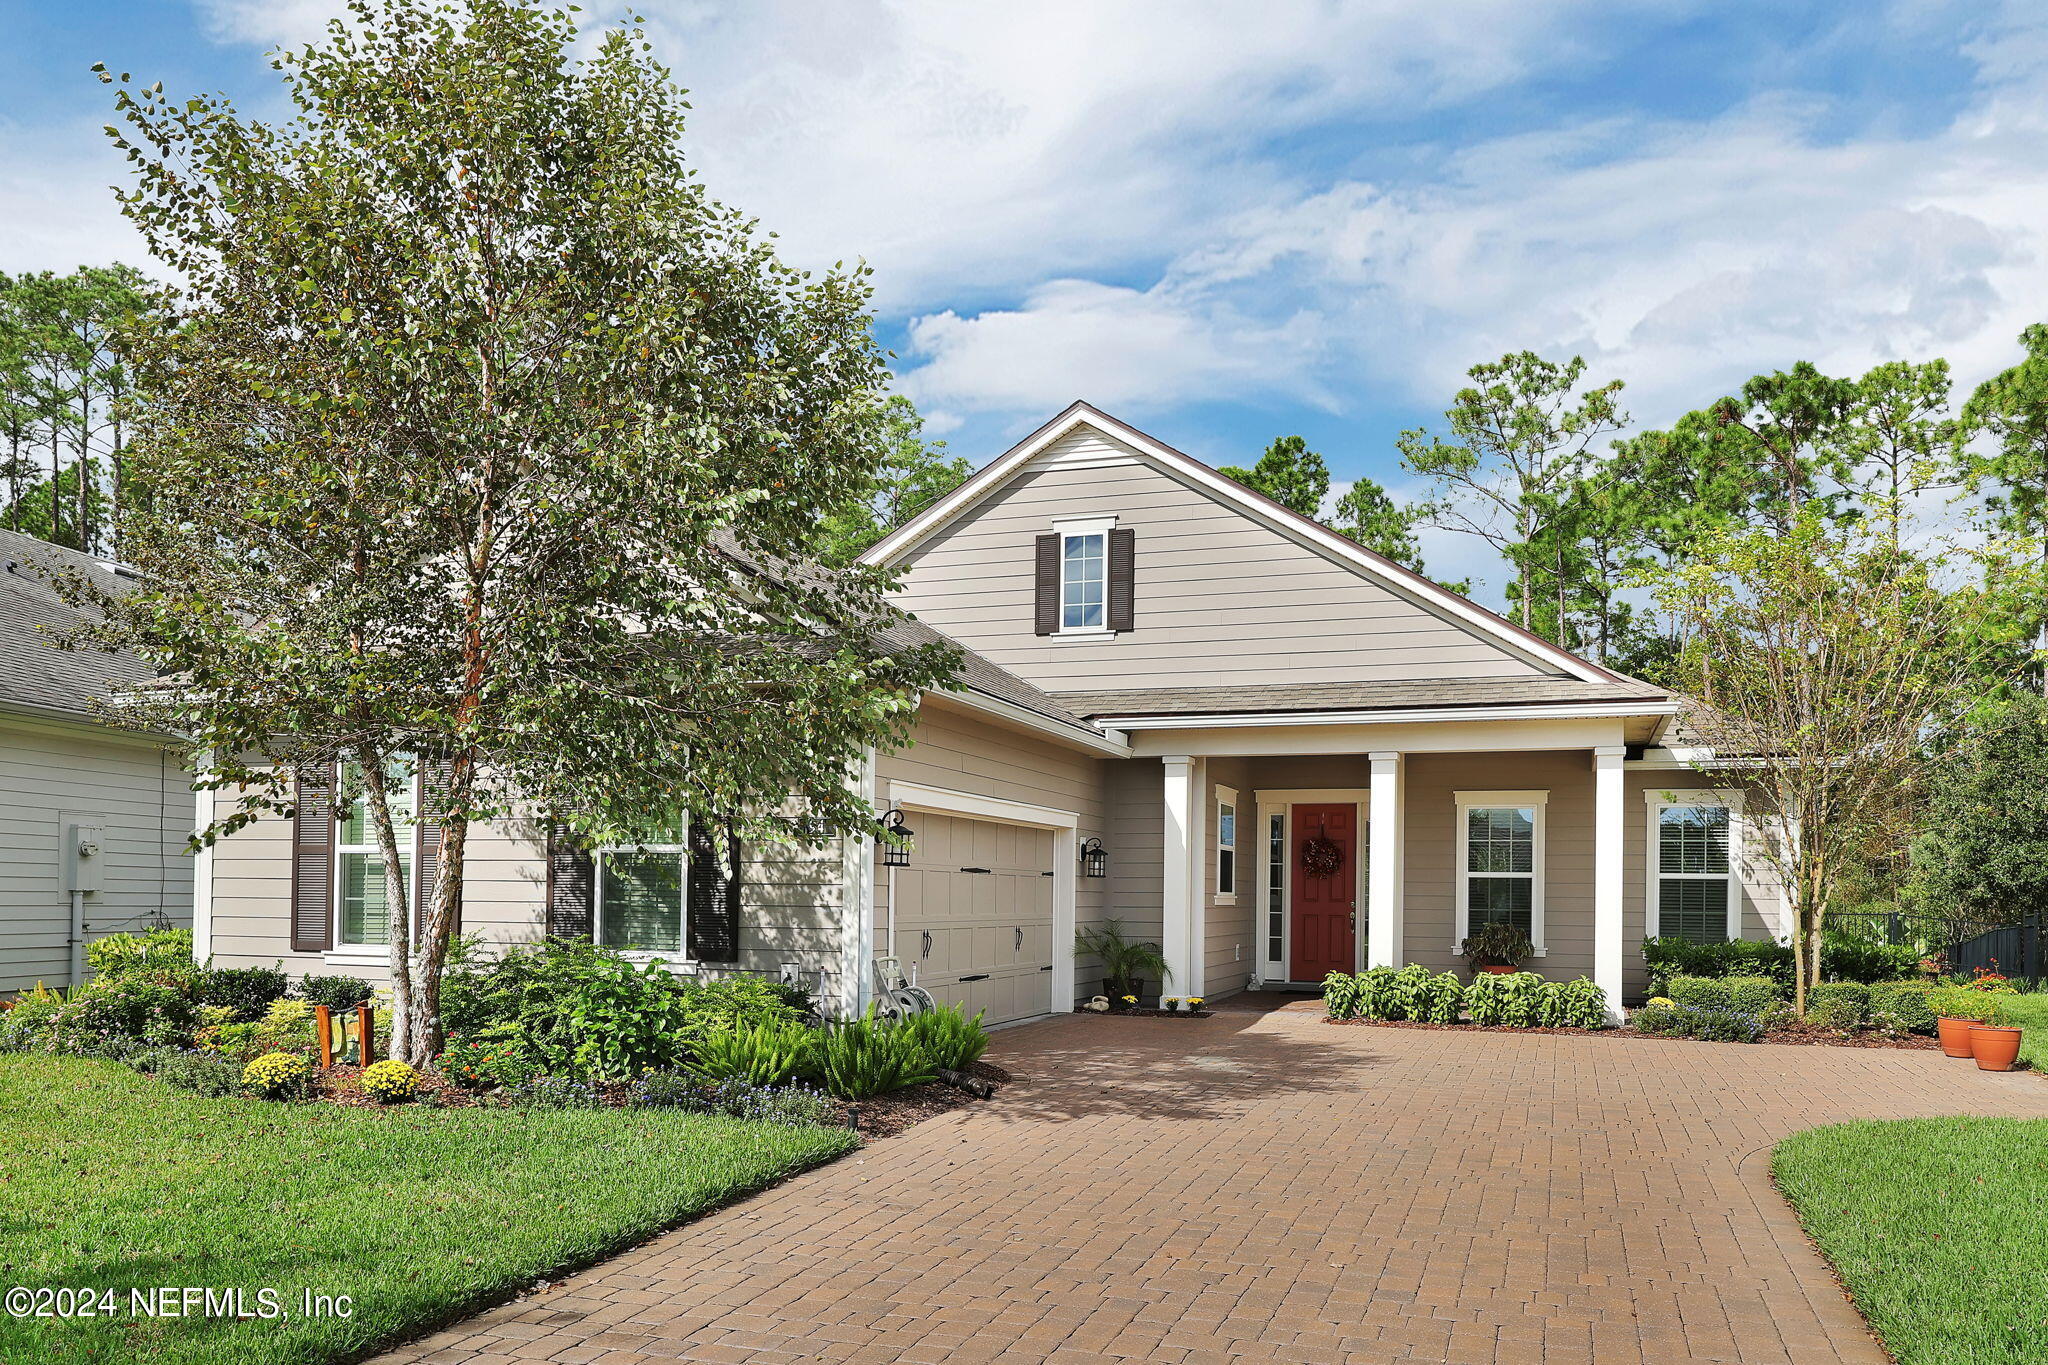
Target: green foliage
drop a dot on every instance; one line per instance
(247, 991)
(1719, 1025)
(1376, 994)
(581, 1010)
(479, 1066)
(1838, 1004)
(1982, 854)
(2028, 1013)
(1577, 1003)
(1842, 959)
(1662, 1019)
(1497, 944)
(135, 1005)
(948, 1038)
(557, 1092)
(1961, 1002)
(726, 1004)
(773, 1052)
(1124, 962)
(1289, 473)
(335, 992)
(1753, 994)
(864, 1057)
(1341, 995)
(1905, 1005)
(1512, 999)
(164, 952)
(1409, 991)
(1699, 992)
(1440, 1000)
(913, 474)
(203, 1073)
(1366, 514)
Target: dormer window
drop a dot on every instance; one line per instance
(1084, 578)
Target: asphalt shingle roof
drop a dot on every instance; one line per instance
(35, 675)
(1349, 696)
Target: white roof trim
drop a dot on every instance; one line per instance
(1310, 533)
(1529, 711)
(1107, 741)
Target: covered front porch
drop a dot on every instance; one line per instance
(1287, 851)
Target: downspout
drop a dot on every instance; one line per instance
(77, 944)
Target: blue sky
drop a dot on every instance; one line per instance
(1228, 222)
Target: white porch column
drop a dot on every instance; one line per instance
(1384, 888)
(1608, 842)
(1178, 888)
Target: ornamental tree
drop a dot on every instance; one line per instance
(1821, 658)
(476, 430)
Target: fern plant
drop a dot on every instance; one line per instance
(861, 1058)
(773, 1052)
(949, 1040)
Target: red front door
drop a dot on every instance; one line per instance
(1324, 902)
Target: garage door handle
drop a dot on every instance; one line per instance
(1020, 938)
(980, 977)
(975, 869)
(924, 947)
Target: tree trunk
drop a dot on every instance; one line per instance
(398, 901)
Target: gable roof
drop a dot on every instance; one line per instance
(1397, 578)
(35, 675)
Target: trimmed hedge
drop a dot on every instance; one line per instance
(1838, 1004)
(1903, 1004)
(1841, 959)
(1514, 1000)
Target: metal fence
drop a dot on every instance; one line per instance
(1964, 946)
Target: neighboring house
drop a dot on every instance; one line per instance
(93, 819)
(1203, 681)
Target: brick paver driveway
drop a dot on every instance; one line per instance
(1266, 1187)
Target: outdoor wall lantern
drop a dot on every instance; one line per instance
(896, 854)
(1094, 859)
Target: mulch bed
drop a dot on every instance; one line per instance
(1794, 1035)
(883, 1116)
(887, 1115)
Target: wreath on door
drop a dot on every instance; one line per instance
(1321, 856)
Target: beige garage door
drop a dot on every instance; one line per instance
(974, 914)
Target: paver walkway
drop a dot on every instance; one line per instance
(1266, 1187)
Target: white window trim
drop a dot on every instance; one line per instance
(1083, 526)
(339, 951)
(681, 957)
(1227, 796)
(1479, 800)
(1274, 968)
(1659, 800)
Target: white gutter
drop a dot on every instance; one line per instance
(1241, 719)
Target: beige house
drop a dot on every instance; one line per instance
(1200, 680)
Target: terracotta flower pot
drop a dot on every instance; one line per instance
(1497, 969)
(1995, 1048)
(1955, 1035)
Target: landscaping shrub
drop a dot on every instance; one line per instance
(735, 1002)
(1521, 999)
(138, 1004)
(485, 1066)
(1842, 958)
(1409, 992)
(581, 1010)
(27, 1025)
(390, 1081)
(769, 1053)
(247, 991)
(277, 1076)
(1376, 993)
(1699, 992)
(1486, 999)
(1903, 1005)
(864, 1057)
(163, 953)
(1719, 1025)
(948, 1037)
(1962, 1002)
(1573, 1004)
(1758, 995)
(335, 992)
(1438, 999)
(204, 1073)
(1340, 995)
(557, 1092)
(1658, 1018)
(1838, 1004)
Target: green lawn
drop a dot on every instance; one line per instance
(1938, 1226)
(2030, 1014)
(111, 1180)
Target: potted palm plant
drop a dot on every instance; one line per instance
(1125, 965)
(1498, 948)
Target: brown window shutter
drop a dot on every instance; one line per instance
(572, 887)
(313, 859)
(1047, 574)
(712, 912)
(1122, 564)
(435, 774)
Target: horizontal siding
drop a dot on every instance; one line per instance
(51, 777)
(1230, 953)
(1220, 599)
